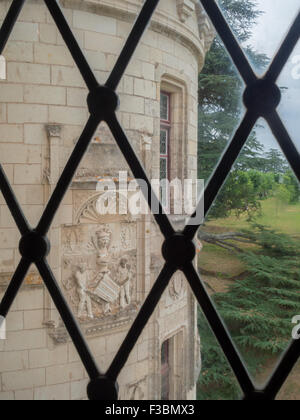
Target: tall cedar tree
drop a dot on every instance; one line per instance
(220, 95)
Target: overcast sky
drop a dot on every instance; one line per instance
(268, 34)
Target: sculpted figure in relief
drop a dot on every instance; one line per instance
(124, 280)
(82, 280)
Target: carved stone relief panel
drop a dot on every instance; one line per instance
(99, 267)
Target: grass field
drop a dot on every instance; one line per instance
(284, 218)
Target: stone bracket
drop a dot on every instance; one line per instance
(185, 9)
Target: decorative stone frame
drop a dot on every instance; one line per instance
(178, 117)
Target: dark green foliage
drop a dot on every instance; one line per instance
(258, 308)
(220, 90)
(220, 112)
(242, 194)
(220, 99)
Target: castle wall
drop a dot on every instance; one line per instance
(42, 113)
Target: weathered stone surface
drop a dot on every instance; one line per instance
(104, 264)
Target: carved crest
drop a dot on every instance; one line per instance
(99, 270)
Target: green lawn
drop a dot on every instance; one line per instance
(284, 218)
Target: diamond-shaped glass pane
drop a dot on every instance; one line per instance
(260, 27)
(289, 106)
(216, 380)
(220, 107)
(290, 389)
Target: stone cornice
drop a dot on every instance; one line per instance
(162, 22)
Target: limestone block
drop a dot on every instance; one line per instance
(13, 360)
(170, 60)
(66, 215)
(94, 22)
(142, 123)
(52, 54)
(19, 51)
(3, 113)
(25, 31)
(96, 59)
(64, 373)
(98, 346)
(6, 260)
(79, 35)
(67, 115)
(14, 321)
(27, 174)
(6, 219)
(48, 33)
(155, 56)
(30, 299)
(33, 319)
(77, 97)
(72, 353)
(151, 38)
(35, 134)
(51, 95)
(135, 68)
(24, 113)
(23, 379)
(132, 104)
(128, 85)
(114, 342)
(78, 389)
(143, 351)
(145, 88)
(148, 71)
(107, 43)
(9, 238)
(45, 357)
(7, 396)
(25, 340)
(20, 153)
(11, 133)
(24, 395)
(33, 13)
(66, 76)
(152, 108)
(3, 9)
(11, 93)
(52, 393)
(35, 194)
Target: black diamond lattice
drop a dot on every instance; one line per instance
(261, 99)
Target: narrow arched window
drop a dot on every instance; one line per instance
(165, 129)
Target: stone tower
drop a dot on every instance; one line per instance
(105, 264)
